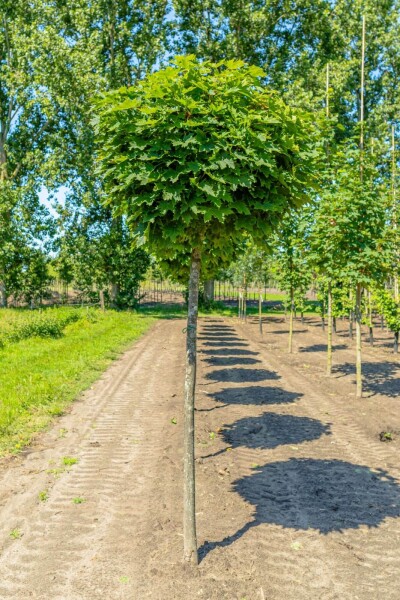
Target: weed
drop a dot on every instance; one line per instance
(15, 534)
(68, 461)
(43, 496)
(55, 472)
(78, 500)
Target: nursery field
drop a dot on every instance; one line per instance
(298, 482)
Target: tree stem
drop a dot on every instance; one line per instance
(329, 350)
(291, 321)
(358, 342)
(189, 503)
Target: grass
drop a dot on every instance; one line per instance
(40, 377)
(176, 311)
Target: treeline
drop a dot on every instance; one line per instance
(56, 56)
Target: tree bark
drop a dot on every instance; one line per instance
(329, 350)
(115, 288)
(358, 342)
(189, 503)
(209, 290)
(3, 296)
(101, 295)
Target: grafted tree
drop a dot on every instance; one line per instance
(196, 155)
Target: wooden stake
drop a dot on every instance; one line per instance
(394, 208)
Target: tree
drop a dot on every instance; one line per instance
(196, 155)
(291, 268)
(348, 241)
(250, 267)
(116, 42)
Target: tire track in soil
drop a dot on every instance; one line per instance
(377, 550)
(61, 540)
(348, 564)
(285, 573)
(125, 541)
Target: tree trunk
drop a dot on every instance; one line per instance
(396, 342)
(245, 300)
(351, 325)
(3, 296)
(329, 351)
(334, 326)
(209, 290)
(358, 342)
(260, 312)
(101, 295)
(291, 321)
(189, 510)
(114, 294)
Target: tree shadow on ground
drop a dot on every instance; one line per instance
(223, 343)
(378, 377)
(238, 375)
(324, 495)
(322, 348)
(271, 430)
(287, 332)
(228, 361)
(223, 336)
(230, 352)
(256, 395)
(212, 328)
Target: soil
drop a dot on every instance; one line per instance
(297, 496)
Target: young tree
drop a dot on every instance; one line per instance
(348, 238)
(291, 267)
(196, 155)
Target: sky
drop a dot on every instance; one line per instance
(58, 196)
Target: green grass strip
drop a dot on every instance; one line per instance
(39, 377)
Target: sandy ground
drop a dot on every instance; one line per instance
(297, 497)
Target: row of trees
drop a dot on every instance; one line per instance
(54, 57)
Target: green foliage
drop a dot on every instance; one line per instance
(290, 260)
(251, 266)
(47, 324)
(199, 153)
(389, 308)
(109, 261)
(348, 239)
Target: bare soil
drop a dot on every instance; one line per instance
(298, 497)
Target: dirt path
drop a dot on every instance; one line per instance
(297, 497)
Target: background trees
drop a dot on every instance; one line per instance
(54, 58)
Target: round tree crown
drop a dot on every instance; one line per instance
(199, 152)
